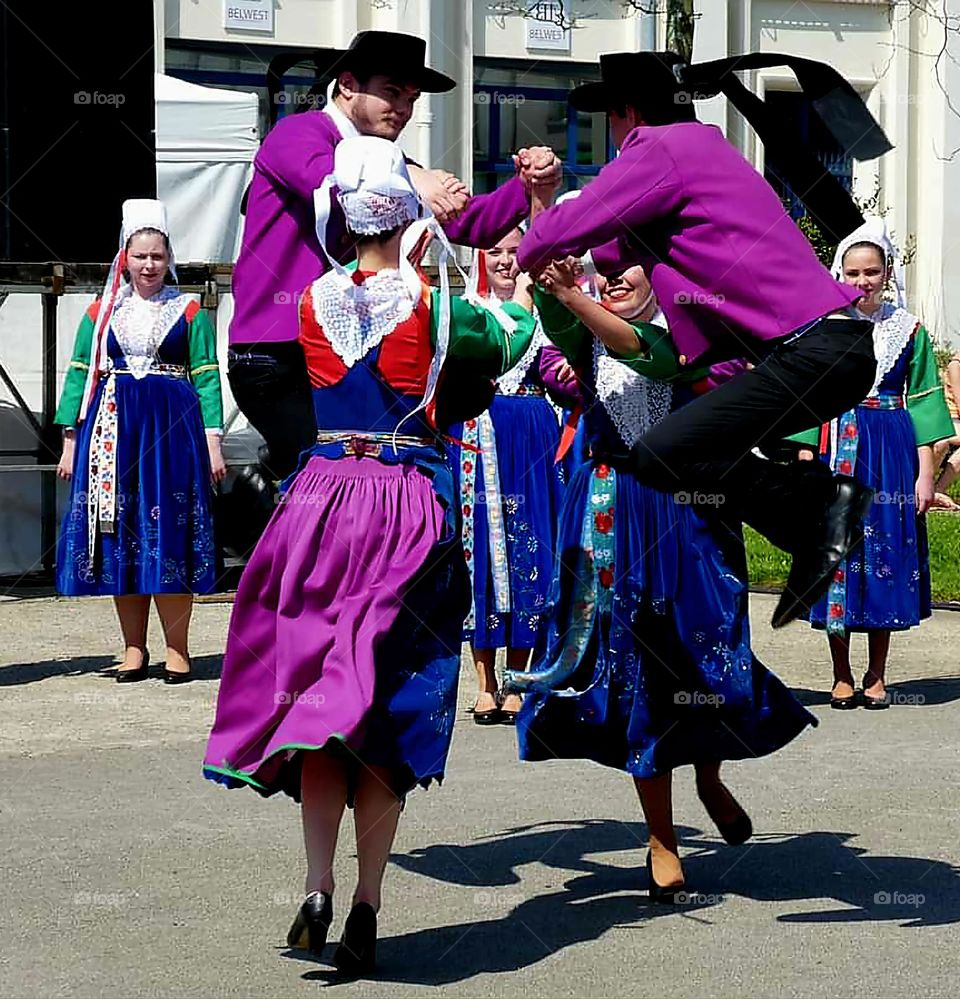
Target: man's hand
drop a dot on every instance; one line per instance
(540, 168)
(443, 193)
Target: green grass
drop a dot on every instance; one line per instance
(769, 566)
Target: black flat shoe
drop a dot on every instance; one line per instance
(841, 532)
(665, 896)
(309, 930)
(876, 703)
(357, 953)
(491, 717)
(135, 675)
(172, 676)
(844, 703)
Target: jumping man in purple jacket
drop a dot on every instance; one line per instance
(379, 80)
(736, 279)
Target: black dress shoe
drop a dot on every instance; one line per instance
(173, 676)
(844, 703)
(666, 896)
(738, 830)
(842, 531)
(134, 675)
(309, 930)
(876, 703)
(357, 953)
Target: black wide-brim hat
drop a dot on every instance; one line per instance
(626, 74)
(391, 53)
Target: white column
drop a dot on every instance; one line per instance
(711, 40)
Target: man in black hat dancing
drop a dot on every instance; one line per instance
(378, 80)
(735, 278)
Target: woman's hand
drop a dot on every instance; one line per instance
(924, 488)
(65, 465)
(218, 468)
(523, 291)
(923, 492)
(559, 277)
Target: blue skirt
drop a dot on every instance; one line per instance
(652, 600)
(527, 436)
(164, 536)
(888, 577)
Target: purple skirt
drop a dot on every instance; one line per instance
(345, 632)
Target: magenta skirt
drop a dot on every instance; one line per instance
(345, 632)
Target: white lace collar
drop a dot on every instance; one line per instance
(356, 317)
(509, 383)
(633, 402)
(140, 325)
(893, 328)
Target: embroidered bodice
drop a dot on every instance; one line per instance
(143, 333)
(366, 376)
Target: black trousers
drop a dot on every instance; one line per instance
(272, 389)
(703, 451)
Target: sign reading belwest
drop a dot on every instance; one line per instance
(248, 15)
(543, 25)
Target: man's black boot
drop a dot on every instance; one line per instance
(840, 532)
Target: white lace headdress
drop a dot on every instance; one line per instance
(376, 193)
(874, 231)
(138, 214)
(893, 325)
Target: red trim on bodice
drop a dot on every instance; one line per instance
(403, 358)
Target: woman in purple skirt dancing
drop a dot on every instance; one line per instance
(340, 675)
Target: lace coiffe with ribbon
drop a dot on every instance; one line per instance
(375, 191)
(139, 326)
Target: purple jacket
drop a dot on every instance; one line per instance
(280, 255)
(728, 265)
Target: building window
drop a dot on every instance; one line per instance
(794, 110)
(517, 106)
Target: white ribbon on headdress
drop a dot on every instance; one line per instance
(874, 231)
(138, 214)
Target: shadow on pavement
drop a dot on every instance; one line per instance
(204, 668)
(593, 897)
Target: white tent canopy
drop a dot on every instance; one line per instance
(206, 141)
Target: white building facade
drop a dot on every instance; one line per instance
(514, 72)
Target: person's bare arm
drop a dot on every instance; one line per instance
(616, 334)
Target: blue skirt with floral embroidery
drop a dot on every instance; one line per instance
(650, 602)
(163, 536)
(510, 589)
(888, 576)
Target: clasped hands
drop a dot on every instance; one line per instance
(447, 196)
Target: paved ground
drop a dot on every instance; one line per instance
(125, 873)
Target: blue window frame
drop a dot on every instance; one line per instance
(509, 116)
